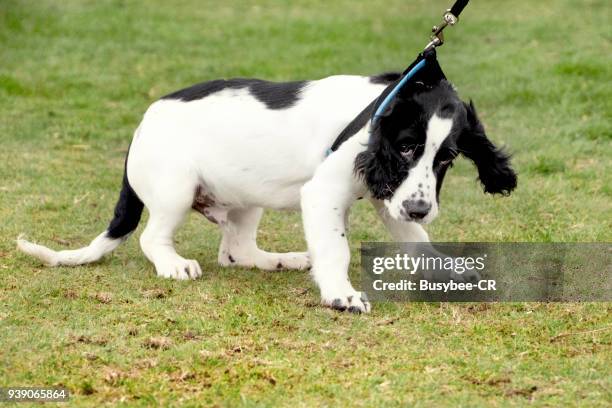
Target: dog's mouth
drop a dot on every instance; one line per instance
(407, 218)
(422, 221)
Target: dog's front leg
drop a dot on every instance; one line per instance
(323, 211)
(401, 231)
(325, 201)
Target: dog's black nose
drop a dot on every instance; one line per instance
(416, 209)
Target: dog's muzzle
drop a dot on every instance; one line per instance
(415, 210)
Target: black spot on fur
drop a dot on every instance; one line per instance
(231, 258)
(276, 95)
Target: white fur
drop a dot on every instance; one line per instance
(95, 250)
(249, 157)
(422, 178)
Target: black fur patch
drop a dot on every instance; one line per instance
(355, 126)
(276, 95)
(385, 78)
(493, 164)
(128, 210)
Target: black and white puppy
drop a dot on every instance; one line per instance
(229, 149)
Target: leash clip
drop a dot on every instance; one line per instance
(437, 38)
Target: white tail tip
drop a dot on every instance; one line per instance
(48, 256)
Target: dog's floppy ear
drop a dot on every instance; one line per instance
(379, 165)
(493, 164)
(376, 166)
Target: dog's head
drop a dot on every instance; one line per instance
(415, 142)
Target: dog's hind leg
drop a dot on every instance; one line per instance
(239, 246)
(157, 238)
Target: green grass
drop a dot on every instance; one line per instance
(75, 78)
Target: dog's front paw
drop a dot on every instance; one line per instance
(352, 301)
(178, 268)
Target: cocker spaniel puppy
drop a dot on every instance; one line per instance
(230, 148)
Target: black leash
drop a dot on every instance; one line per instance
(451, 17)
(458, 7)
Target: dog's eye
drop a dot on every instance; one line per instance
(446, 161)
(406, 150)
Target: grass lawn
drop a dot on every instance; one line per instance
(75, 79)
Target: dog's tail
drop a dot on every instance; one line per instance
(128, 211)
